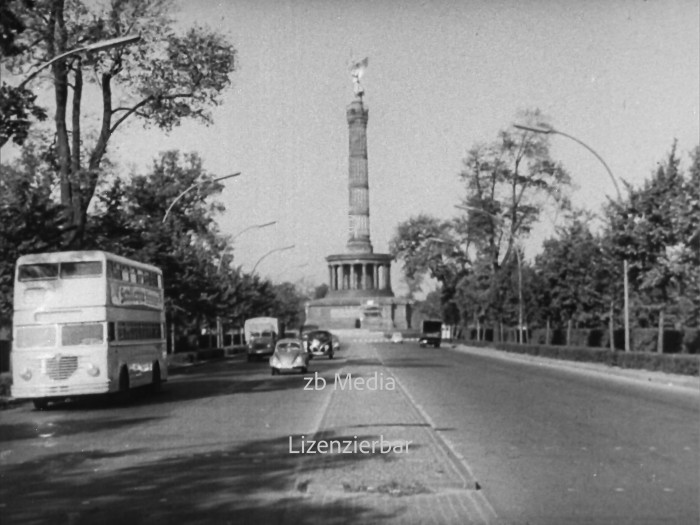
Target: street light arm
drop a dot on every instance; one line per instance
(191, 187)
(619, 197)
(97, 46)
(270, 253)
(595, 153)
(253, 227)
(548, 131)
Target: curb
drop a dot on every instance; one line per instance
(638, 375)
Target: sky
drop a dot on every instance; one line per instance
(621, 75)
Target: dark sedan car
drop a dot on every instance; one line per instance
(319, 342)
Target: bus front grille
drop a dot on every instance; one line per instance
(60, 367)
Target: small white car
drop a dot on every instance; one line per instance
(289, 355)
(397, 337)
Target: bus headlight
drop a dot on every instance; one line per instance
(93, 370)
(26, 374)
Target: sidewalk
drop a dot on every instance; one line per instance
(633, 374)
(425, 483)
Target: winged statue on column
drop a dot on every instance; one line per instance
(357, 69)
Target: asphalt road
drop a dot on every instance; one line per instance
(492, 442)
(554, 446)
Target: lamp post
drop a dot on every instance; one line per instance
(549, 131)
(193, 186)
(253, 227)
(270, 253)
(97, 46)
(520, 266)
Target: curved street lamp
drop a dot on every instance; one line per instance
(270, 253)
(193, 186)
(229, 247)
(253, 227)
(548, 131)
(97, 46)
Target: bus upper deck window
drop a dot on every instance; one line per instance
(35, 272)
(81, 269)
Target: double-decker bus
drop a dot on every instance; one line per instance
(86, 322)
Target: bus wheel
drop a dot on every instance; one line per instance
(41, 403)
(156, 382)
(124, 392)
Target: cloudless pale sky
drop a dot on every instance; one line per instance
(621, 75)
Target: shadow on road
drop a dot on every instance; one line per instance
(67, 427)
(248, 483)
(200, 382)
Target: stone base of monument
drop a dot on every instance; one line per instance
(378, 314)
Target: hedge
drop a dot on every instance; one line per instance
(670, 363)
(685, 341)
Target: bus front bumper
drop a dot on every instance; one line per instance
(29, 391)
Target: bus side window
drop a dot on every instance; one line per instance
(110, 331)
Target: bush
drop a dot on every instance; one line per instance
(579, 337)
(539, 336)
(644, 339)
(673, 341)
(673, 363)
(210, 353)
(691, 341)
(558, 337)
(598, 338)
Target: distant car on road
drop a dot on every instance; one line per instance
(431, 334)
(289, 355)
(397, 337)
(261, 334)
(319, 342)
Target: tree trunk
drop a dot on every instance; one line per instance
(57, 37)
(660, 340)
(547, 337)
(568, 333)
(612, 328)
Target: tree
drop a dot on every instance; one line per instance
(29, 216)
(320, 291)
(128, 220)
(428, 246)
(160, 81)
(289, 304)
(653, 230)
(17, 104)
(574, 281)
(508, 183)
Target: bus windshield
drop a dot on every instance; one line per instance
(66, 270)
